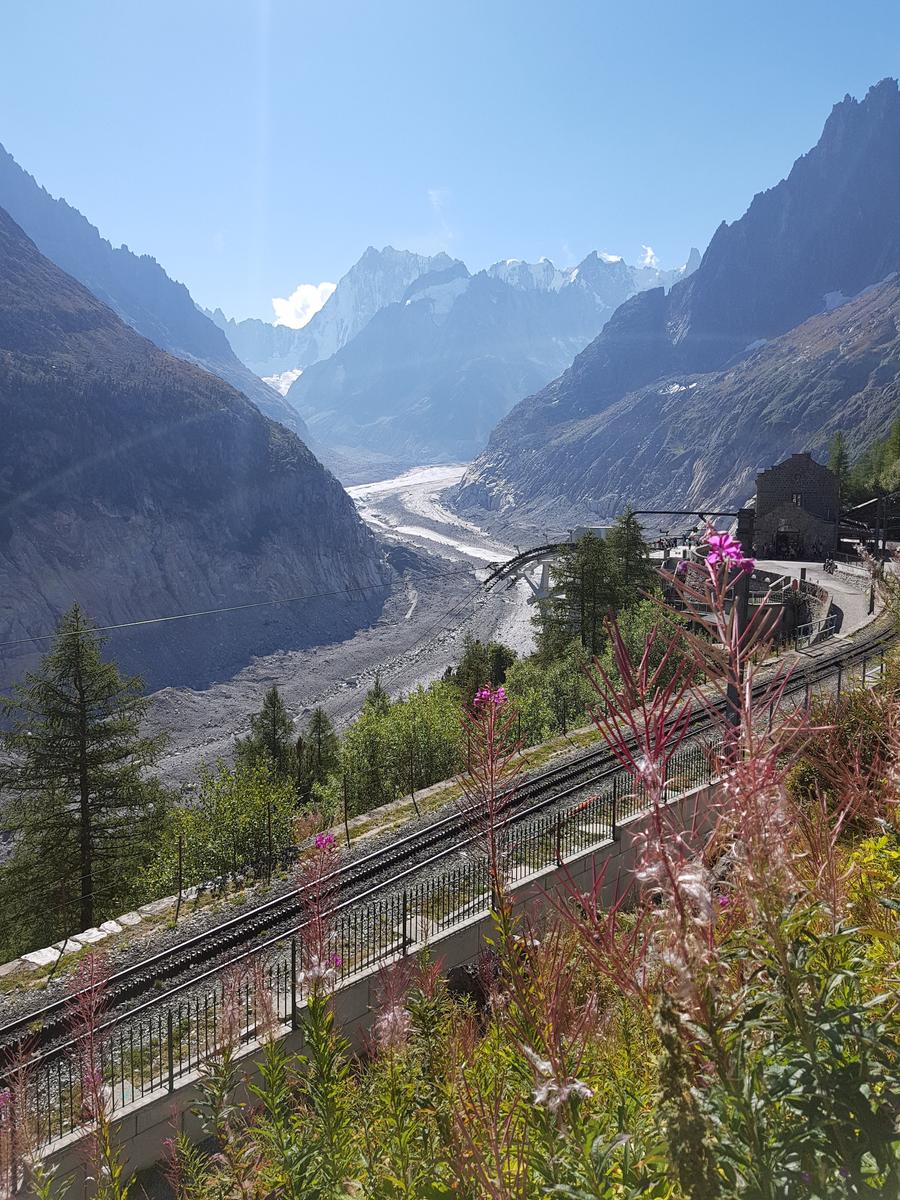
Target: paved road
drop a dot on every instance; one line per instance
(850, 595)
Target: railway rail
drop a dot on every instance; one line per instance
(384, 868)
(149, 1048)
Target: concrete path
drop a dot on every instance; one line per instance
(849, 594)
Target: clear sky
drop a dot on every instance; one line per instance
(254, 145)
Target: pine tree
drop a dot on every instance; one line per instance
(584, 591)
(481, 663)
(376, 697)
(271, 738)
(894, 440)
(318, 753)
(839, 462)
(83, 809)
(630, 560)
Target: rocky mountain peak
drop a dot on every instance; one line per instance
(819, 237)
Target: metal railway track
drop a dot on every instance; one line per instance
(384, 867)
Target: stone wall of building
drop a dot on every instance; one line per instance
(800, 475)
(798, 505)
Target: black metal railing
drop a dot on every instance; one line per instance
(153, 1047)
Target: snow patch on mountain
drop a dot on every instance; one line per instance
(441, 296)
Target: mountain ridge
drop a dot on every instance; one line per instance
(818, 236)
(377, 278)
(134, 286)
(141, 485)
(429, 375)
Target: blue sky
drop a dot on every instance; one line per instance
(253, 145)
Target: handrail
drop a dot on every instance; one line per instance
(374, 925)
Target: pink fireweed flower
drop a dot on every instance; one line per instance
(724, 549)
(319, 973)
(486, 695)
(392, 1027)
(324, 841)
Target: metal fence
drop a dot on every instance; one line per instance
(154, 1047)
(814, 631)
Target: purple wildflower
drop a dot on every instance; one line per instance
(324, 841)
(486, 695)
(726, 549)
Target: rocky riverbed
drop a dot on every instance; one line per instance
(440, 560)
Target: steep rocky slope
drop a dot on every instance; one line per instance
(701, 439)
(380, 277)
(821, 235)
(142, 486)
(135, 287)
(428, 377)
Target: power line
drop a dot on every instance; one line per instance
(208, 612)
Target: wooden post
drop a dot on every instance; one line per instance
(268, 838)
(180, 872)
(346, 820)
(412, 781)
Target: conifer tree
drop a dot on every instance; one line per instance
(481, 663)
(318, 752)
(376, 697)
(838, 461)
(633, 572)
(894, 440)
(74, 784)
(584, 592)
(271, 738)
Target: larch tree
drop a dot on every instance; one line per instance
(318, 753)
(583, 593)
(76, 794)
(839, 461)
(633, 572)
(271, 738)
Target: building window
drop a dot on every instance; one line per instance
(797, 498)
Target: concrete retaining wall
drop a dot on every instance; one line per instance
(142, 1128)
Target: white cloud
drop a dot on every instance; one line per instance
(283, 380)
(649, 259)
(436, 232)
(437, 198)
(302, 305)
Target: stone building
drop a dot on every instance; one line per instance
(798, 507)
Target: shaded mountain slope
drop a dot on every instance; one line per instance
(141, 486)
(701, 439)
(135, 287)
(822, 234)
